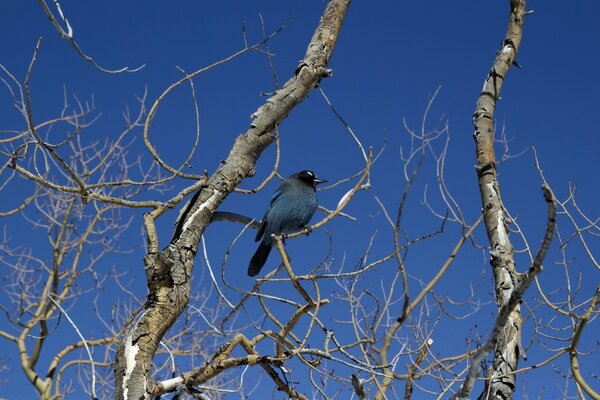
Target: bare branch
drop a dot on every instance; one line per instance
(581, 382)
(87, 349)
(515, 298)
(68, 36)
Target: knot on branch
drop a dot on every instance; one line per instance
(166, 269)
(301, 65)
(253, 359)
(327, 72)
(485, 168)
(481, 113)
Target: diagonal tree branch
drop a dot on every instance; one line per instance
(581, 382)
(169, 272)
(507, 309)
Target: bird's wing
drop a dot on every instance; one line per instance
(263, 224)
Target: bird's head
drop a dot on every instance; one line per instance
(308, 177)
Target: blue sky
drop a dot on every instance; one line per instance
(391, 57)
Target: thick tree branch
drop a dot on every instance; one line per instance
(169, 272)
(496, 221)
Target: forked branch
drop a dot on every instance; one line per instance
(515, 298)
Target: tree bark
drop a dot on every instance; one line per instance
(501, 381)
(169, 272)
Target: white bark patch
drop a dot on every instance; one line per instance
(502, 234)
(500, 227)
(202, 207)
(130, 353)
(171, 384)
(344, 197)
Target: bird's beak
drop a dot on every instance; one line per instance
(317, 181)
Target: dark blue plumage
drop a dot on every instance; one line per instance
(291, 208)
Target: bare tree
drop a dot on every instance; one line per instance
(327, 333)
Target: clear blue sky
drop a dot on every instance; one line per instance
(390, 58)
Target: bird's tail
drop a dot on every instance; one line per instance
(259, 258)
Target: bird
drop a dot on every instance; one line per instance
(292, 206)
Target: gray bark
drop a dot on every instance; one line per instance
(501, 382)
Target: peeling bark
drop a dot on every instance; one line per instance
(501, 381)
(169, 272)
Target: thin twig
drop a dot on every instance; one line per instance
(87, 349)
(68, 36)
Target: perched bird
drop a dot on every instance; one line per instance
(291, 208)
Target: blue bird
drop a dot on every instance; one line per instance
(291, 208)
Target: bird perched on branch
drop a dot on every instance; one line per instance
(291, 208)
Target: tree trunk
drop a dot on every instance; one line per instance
(169, 272)
(501, 382)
